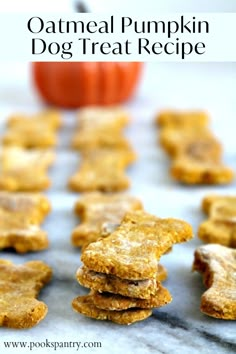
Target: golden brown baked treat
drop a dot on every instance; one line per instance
(85, 306)
(20, 285)
(20, 216)
(113, 117)
(132, 251)
(196, 154)
(100, 138)
(99, 127)
(122, 269)
(142, 289)
(36, 131)
(220, 227)
(50, 117)
(197, 142)
(176, 119)
(102, 170)
(187, 170)
(24, 170)
(96, 211)
(218, 266)
(115, 302)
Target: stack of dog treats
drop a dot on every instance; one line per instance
(122, 269)
(195, 152)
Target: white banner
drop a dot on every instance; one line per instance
(196, 37)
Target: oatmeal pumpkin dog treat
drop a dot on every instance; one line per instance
(142, 239)
(176, 140)
(108, 301)
(180, 119)
(36, 131)
(20, 285)
(188, 170)
(196, 154)
(20, 216)
(218, 265)
(220, 227)
(85, 306)
(122, 269)
(97, 211)
(140, 289)
(24, 170)
(102, 170)
(100, 128)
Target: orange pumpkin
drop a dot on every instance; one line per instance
(77, 84)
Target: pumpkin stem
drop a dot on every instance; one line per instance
(81, 6)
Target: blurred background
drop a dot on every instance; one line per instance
(122, 5)
(208, 86)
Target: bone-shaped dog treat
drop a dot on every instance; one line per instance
(141, 289)
(196, 153)
(100, 128)
(114, 302)
(102, 170)
(50, 117)
(96, 211)
(19, 286)
(221, 225)
(218, 265)
(196, 141)
(24, 170)
(20, 216)
(177, 119)
(36, 131)
(85, 305)
(112, 117)
(189, 170)
(132, 251)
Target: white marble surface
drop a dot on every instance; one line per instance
(179, 327)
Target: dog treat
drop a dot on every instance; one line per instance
(122, 269)
(24, 170)
(195, 141)
(221, 225)
(132, 251)
(20, 216)
(142, 289)
(196, 154)
(175, 119)
(108, 301)
(50, 117)
(37, 131)
(96, 211)
(189, 170)
(85, 306)
(100, 128)
(112, 117)
(218, 265)
(102, 170)
(20, 285)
